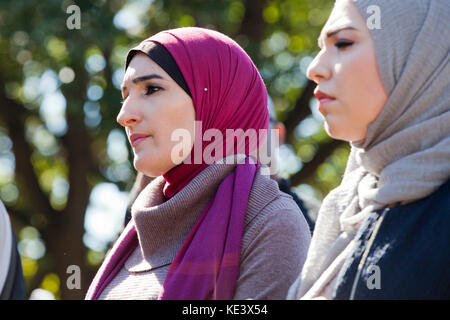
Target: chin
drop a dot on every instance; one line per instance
(335, 133)
(150, 167)
(142, 166)
(330, 130)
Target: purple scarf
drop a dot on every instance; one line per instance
(227, 93)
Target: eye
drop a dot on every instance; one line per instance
(150, 89)
(341, 44)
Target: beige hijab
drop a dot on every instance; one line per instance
(406, 153)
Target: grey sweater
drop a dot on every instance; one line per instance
(274, 243)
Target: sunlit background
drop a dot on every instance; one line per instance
(65, 164)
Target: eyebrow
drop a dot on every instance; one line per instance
(144, 78)
(332, 32)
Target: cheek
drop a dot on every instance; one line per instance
(183, 117)
(371, 95)
(153, 156)
(362, 91)
(375, 91)
(353, 78)
(177, 115)
(167, 113)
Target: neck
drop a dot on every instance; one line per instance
(178, 177)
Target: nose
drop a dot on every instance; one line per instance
(318, 69)
(128, 115)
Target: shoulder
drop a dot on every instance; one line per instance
(266, 200)
(274, 214)
(422, 225)
(274, 244)
(425, 216)
(438, 200)
(407, 249)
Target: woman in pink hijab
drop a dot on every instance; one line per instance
(211, 224)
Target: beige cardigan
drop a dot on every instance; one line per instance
(274, 243)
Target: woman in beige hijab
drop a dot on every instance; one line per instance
(382, 79)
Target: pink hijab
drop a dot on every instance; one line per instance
(226, 88)
(227, 93)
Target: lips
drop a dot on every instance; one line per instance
(323, 98)
(137, 138)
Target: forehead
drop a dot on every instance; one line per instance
(141, 65)
(344, 12)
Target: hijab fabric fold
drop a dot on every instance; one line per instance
(406, 153)
(207, 265)
(227, 93)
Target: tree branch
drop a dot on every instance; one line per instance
(300, 111)
(253, 19)
(310, 167)
(12, 114)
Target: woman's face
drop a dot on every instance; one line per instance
(154, 106)
(349, 87)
